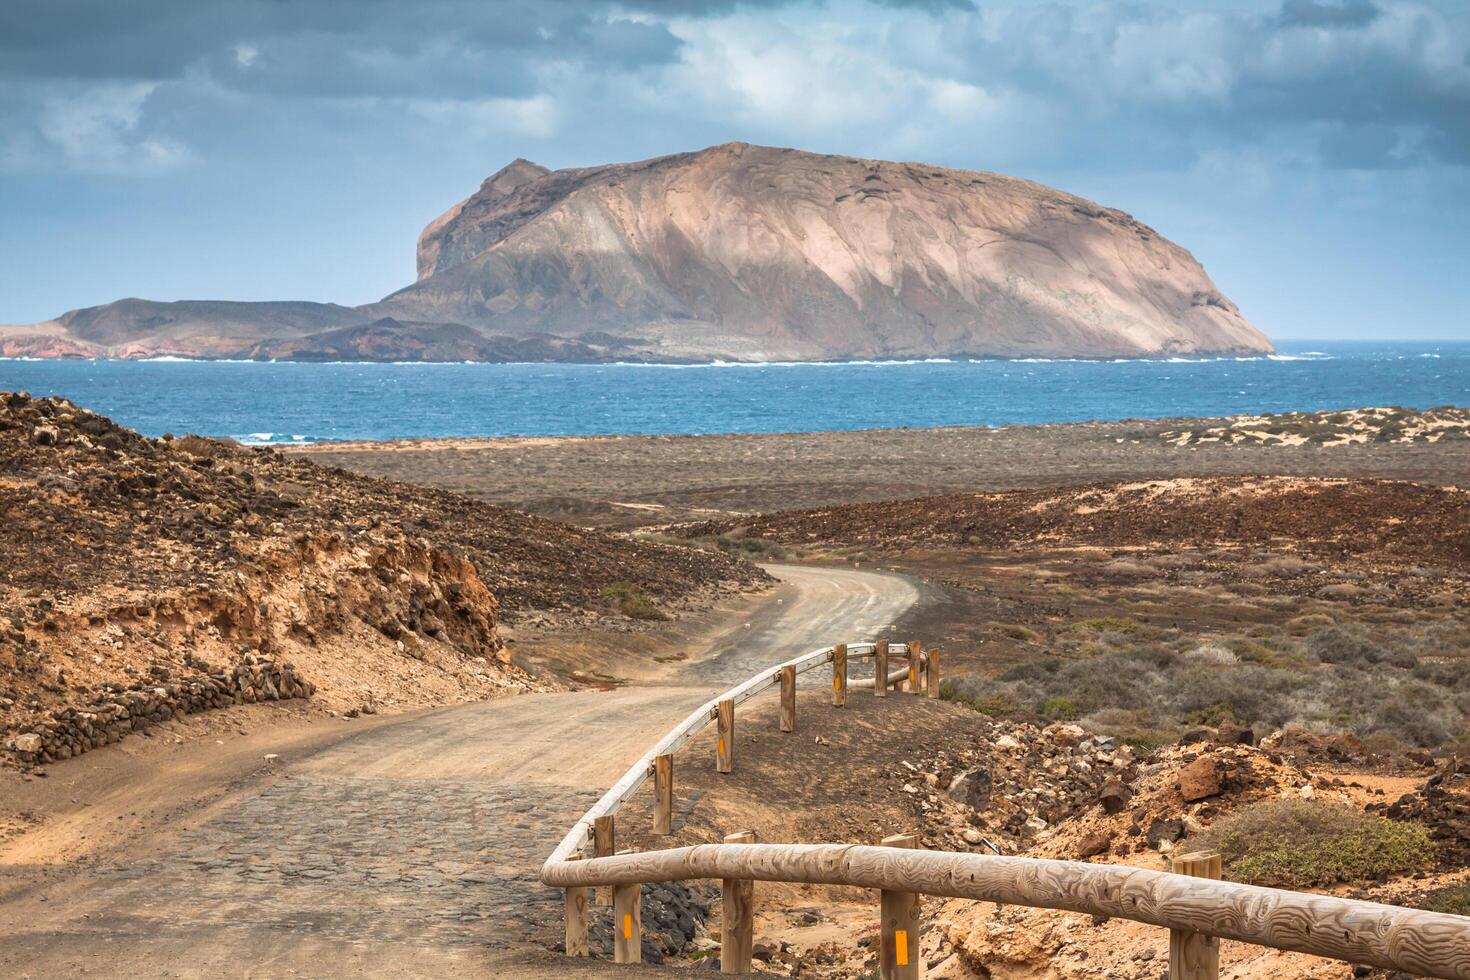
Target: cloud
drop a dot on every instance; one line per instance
(1348, 83)
(88, 128)
(1325, 13)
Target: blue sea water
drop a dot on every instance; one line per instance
(294, 402)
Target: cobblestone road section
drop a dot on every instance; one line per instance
(411, 848)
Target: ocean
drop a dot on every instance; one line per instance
(297, 402)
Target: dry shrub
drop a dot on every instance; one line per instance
(1452, 900)
(1310, 843)
(631, 602)
(1354, 647)
(205, 448)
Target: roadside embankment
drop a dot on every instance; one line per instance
(155, 577)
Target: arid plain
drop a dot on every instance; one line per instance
(1244, 634)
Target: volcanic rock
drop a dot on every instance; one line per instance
(1199, 779)
(737, 252)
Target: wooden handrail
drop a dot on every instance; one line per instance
(624, 788)
(1428, 944)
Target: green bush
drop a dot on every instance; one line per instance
(1032, 670)
(1060, 707)
(631, 602)
(1452, 900)
(996, 704)
(1307, 843)
(1254, 652)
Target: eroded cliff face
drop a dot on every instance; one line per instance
(753, 251)
(735, 252)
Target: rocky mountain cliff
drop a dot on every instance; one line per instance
(736, 252)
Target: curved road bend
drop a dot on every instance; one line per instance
(410, 848)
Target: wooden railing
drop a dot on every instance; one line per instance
(1197, 909)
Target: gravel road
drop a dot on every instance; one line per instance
(411, 848)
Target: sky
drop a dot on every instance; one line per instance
(1313, 154)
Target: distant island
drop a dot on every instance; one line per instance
(735, 252)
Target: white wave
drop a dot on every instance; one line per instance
(771, 364)
(273, 439)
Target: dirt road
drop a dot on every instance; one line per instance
(409, 848)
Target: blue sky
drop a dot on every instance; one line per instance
(1314, 154)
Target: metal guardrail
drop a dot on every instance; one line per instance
(1197, 909)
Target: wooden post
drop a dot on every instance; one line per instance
(788, 698)
(663, 794)
(931, 672)
(725, 736)
(898, 951)
(576, 943)
(604, 843)
(839, 675)
(913, 653)
(627, 924)
(880, 668)
(737, 914)
(1194, 955)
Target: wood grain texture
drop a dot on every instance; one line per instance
(931, 673)
(737, 915)
(1427, 944)
(880, 668)
(576, 921)
(604, 844)
(725, 737)
(663, 794)
(627, 924)
(788, 698)
(1194, 955)
(839, 675)
(578, 836)
(914, 653)
(898, 925)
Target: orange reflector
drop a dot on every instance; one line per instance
(901, 947)
(628, 928)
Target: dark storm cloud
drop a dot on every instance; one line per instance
(1351, 83)
(324, 46)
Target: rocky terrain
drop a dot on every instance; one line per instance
(1153, 660)
(736, 252)
(631, 481)
(148, 578)
(1379, 518)
(967, 781)
(1364, 426)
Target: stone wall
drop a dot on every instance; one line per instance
(71, 731)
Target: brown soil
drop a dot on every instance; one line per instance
(629, 481)
(1338, 518)
(144, 574)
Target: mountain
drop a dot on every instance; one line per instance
(735, 252)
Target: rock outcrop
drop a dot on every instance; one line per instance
(148, 578)
(733, 252)
(758, 252)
